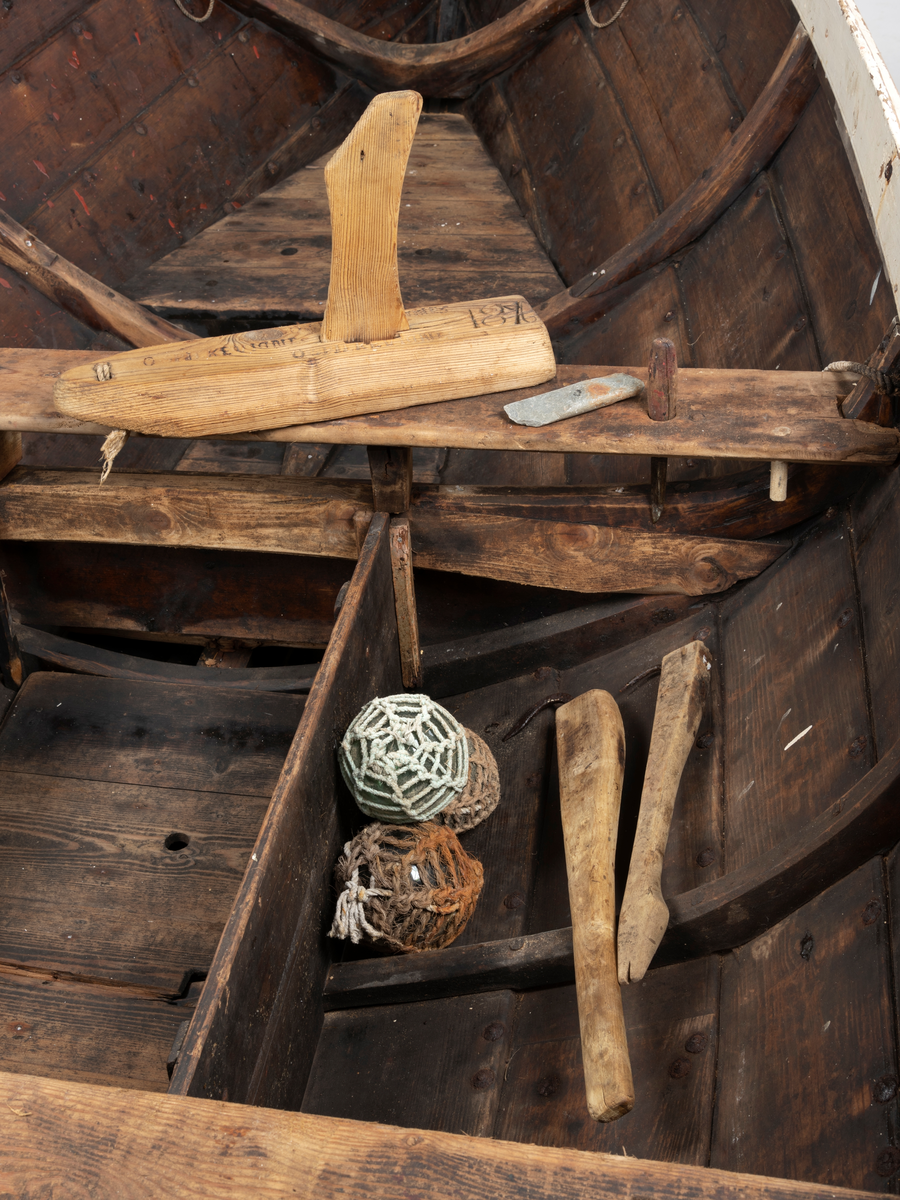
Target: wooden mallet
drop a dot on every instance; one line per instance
(683, 688)
(590, 743)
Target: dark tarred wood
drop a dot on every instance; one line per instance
(768, 325)
(98, 777)
(876, 533)
(561, 639)
(775, 694)
(830, 238)
(432, 1065)
(670, 1019)
(392, 472)
(449, 69)
(115, 1036)
(180, 595)
(746, 50)
(662, 405)
(92, 660)
(754, 143)
(806, 1034)
(534, 961)
(254, 1034)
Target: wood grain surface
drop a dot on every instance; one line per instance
(460, 235)
(590, 742)
(92, 1138)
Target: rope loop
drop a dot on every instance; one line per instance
(604, 24)
(190, 16)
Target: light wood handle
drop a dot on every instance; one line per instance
(683, 688)
(364, 180)
(591, 749)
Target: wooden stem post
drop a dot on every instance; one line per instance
(683, 688)
(662, 404)
(405, 604)
(590, 742)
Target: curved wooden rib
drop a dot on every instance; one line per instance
(719, 915)
(754, 144)
(92, 660)
(452, 70)
(728, 912)
(92, 302)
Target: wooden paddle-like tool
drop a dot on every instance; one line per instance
(368, 355)
(644, 917)
(590, 744)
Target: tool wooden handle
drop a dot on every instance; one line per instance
(364, 180)
(683, 687)
(591, 749)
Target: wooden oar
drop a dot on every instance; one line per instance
(591, 748)
(683, 688)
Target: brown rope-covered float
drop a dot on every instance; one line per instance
(405, 887)
(481, 795)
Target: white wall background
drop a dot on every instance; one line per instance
(883, 20)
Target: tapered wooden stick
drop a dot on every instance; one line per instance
(683, 687)
(591, 748)
(364, 180)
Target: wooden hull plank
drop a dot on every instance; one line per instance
(96, 1137)
(803, 1105)
(254, 1034)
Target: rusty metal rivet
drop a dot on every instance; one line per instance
(761, 191)
(493, 1032)
(515, 168)
(857, 746)
(844, 619)
(244, 36)
(193, 81)
(780, 252)
(696, 1043)
(548, 1086)
(704, 741)
(77, 28)
(513, 900)
(679, 1068)
(887, 1161)
(16, 77)
(139, 128)
(706, 857)
(806, 947)
(871, 912)
(620, 140)
(483, 1079)
(316, 123)
(884, 1089)
(670, 315)
(799, 323)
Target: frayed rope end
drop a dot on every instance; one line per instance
(110, 449)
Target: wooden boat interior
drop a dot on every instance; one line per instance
(184, 646)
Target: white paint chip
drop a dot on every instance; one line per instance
(795, 740)
(874, 287)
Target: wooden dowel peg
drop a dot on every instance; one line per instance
(778, 479)
(590, 742)
(662, 405)
(644, 917)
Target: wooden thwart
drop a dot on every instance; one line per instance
(285, 515)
